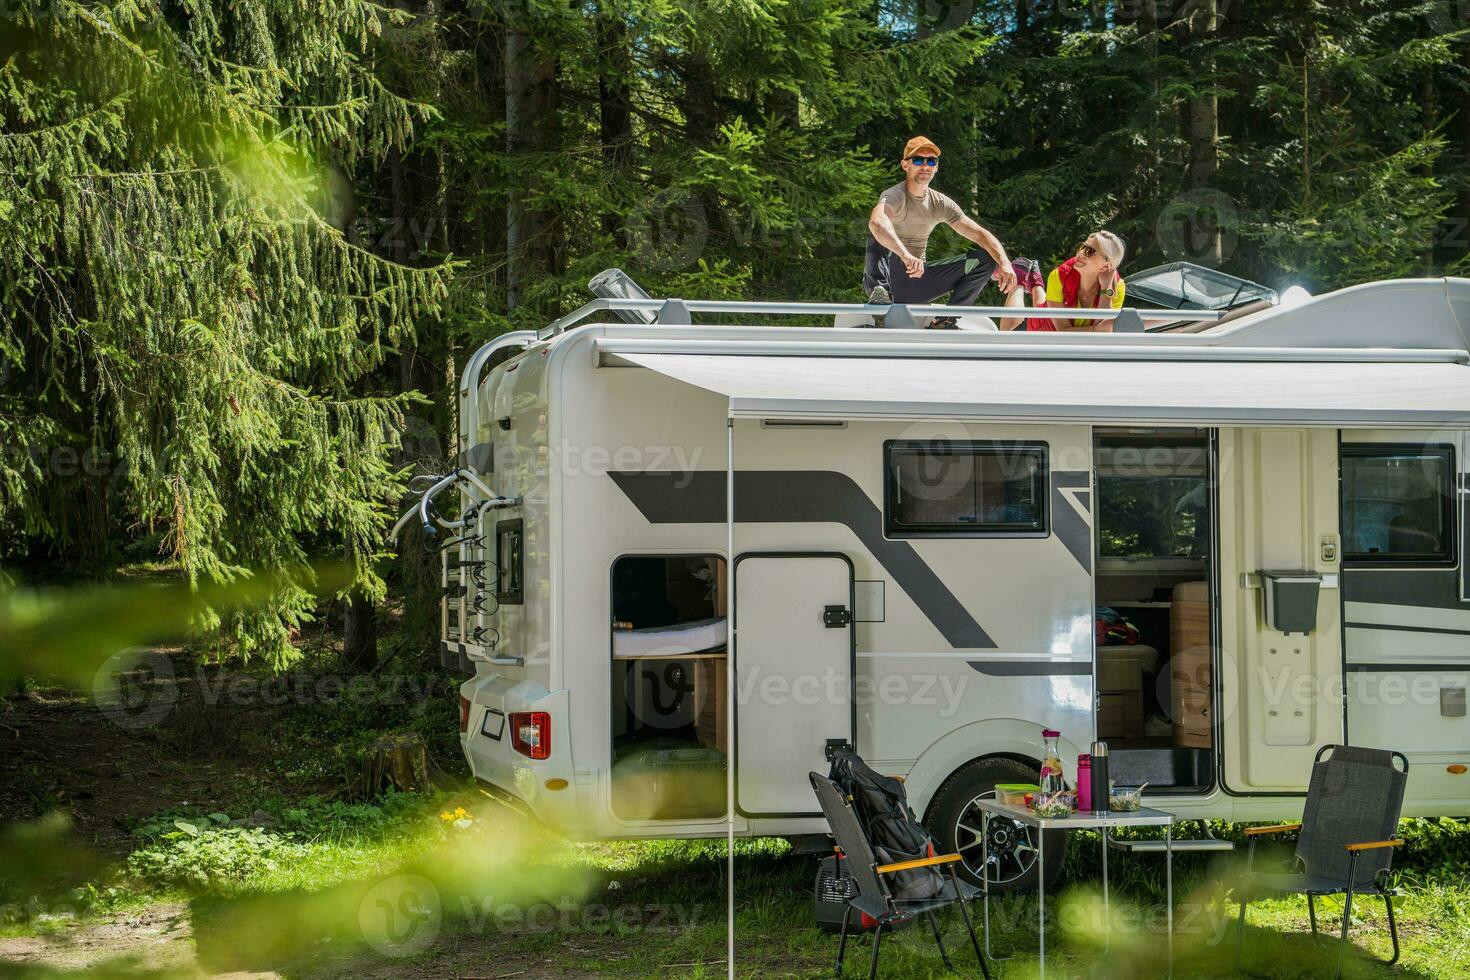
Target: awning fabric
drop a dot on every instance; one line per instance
(1208, 392)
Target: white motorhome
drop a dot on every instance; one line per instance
(1217, 543)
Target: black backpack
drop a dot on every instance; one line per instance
(882, 807)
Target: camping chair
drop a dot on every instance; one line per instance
(876, 897)
(1346, 841)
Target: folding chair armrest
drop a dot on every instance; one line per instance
(884, 869)
(1373, 845)
(1279, 828)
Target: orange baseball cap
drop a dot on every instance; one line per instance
(920, 144)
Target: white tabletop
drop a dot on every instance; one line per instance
(1144, 817)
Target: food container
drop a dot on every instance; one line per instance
(1053, 805)
(1125, 798)
(1015, 794)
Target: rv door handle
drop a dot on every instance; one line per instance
(836, 617)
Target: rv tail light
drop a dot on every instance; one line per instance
(464, 714)
(530, 733)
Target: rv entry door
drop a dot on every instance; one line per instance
(1281, 693)
(793, 665)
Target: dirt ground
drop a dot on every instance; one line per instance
(58, 751)
(156, 939)
(161, 939)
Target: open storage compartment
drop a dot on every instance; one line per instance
(669, 676)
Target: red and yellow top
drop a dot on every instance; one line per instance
(1062, 287)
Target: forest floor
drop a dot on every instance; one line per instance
(216, 840)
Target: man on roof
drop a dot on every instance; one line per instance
(894, 269)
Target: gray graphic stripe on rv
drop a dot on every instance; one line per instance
(1031, 668)
(804, 497)
(1428, 588)
(1067, 519)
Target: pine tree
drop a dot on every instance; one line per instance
(177, 299)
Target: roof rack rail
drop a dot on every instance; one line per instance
(680, 311)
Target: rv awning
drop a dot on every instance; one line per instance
(1207, 392)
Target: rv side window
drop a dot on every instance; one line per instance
(1397, 504)
(510, 560)
(965, 489)
(1153, 496)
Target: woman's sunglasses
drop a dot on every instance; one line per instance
(1086, 250)
(924, 161)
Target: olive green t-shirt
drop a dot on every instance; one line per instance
(913, 219)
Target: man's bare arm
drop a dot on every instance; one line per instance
(881, 225)
(975, 232)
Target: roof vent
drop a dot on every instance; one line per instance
(617, 284)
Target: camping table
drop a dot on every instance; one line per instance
(1101, 820)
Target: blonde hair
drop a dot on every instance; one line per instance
(1111, 246)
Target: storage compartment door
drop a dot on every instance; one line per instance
(793, 674)
(1281, 689)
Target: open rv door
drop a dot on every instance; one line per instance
(794, 655)
(1281, 687)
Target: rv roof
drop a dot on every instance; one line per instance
(1377, 321)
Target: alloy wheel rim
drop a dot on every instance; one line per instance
(1012, 850)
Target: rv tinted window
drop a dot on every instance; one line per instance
(1153, 517)
(965, 489)
(1397, 503)
(510, 560)
(1153, 496)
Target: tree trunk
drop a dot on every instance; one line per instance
(1204, 140)
(615, 105)
(397, 761)
(1459, 239)
(700, 105)
(517, 53)
(1429, 106)
(530, 108)
(1148, 27)
(359, 626)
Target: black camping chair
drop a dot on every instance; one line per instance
(1346, 841)
(876, 897)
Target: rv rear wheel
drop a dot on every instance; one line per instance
(1013, 855)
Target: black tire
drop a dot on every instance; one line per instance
(1013, 855)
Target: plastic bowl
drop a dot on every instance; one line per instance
(1054, 806)
(1122, 800)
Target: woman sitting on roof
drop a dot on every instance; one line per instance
(1088, 280)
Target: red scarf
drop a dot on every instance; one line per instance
(1071, 285)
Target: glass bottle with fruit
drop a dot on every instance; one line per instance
(1052, 779)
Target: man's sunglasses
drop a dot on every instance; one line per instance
(924, 161)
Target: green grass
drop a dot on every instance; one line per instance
(396, 889)
(391, 888)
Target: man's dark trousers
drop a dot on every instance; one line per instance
(963, 275)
